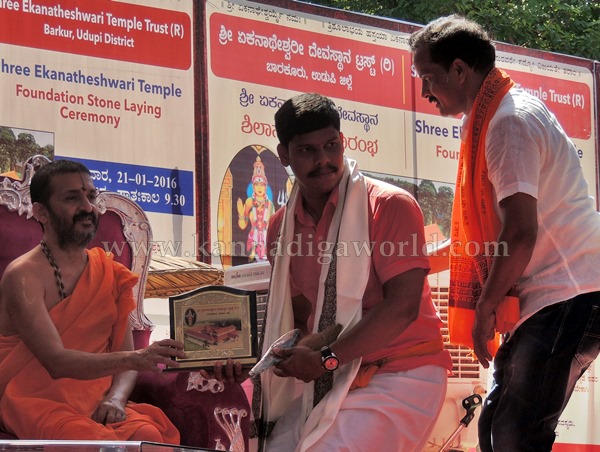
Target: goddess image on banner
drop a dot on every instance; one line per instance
(255, 186)
(257, 210)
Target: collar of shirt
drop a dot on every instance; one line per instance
(305, 219)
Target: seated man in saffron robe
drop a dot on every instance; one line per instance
(67, 364)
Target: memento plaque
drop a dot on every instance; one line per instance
(214, 323)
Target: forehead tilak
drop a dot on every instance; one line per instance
(67, 182)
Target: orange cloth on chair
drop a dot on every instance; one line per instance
(93, 319)
(475, 222)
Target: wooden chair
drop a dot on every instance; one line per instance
(125, 231)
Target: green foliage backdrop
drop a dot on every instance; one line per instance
(15, 150)
(571, 27)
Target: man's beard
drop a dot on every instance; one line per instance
(68, 235)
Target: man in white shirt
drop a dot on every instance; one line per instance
(521, 184)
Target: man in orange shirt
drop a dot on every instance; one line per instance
(67, 364)
(347, 250)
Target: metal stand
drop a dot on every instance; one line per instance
(469, 404)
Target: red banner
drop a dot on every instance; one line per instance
(284, 57)
(99, 28)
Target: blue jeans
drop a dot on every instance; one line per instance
(535, 373)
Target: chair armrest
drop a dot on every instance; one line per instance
(193, 412)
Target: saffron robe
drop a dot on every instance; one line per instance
(93, 319)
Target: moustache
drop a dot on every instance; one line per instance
(324, 170)
(86, 216)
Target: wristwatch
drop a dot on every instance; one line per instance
(329, 361)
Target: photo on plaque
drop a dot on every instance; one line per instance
(214, 323)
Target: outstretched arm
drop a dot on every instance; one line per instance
(23, 296)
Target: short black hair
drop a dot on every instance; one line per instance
(455, 36)
(305, 113)
(40, 187)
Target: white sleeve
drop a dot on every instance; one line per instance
(512, 152)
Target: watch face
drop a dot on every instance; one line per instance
(331, 363)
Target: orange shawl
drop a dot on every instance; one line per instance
(34, 406)
(475, 221)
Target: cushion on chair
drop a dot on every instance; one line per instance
(17, 236)
(29, 233)
(110, 237)
(192, 412)
(185, 408)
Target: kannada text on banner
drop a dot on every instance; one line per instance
(285, 57)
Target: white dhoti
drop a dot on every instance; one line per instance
(395, 412)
